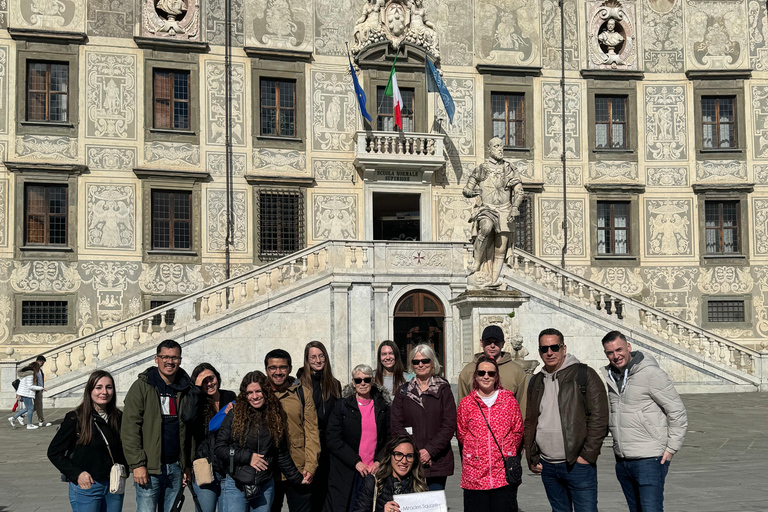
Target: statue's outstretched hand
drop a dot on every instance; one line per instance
(515, 212)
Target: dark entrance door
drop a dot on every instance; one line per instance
(396, 216)
(420, 318)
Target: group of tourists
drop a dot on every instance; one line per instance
(321, 447)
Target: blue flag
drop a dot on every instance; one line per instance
(359, 92)
(435, 83)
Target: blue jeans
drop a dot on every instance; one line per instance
(28, 408)
(571, 488)
(642, 481)
(233, 499)
(161, 488)
(208, 495)
(95, 499)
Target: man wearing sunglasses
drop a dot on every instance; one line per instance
(565, 424)
(648, 422)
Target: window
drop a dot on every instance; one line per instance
(171, 220)
(718, 122)
(45, 208)
(725, 311)
(524, 225)
(47, 92)
(508, 118)
(386, 114)
(611, 122)
(44, 312)
(281, 223)
(722, 227)
(170, 314)
(171, 100)
(278, 107)
(612, 228)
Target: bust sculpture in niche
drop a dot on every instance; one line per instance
(611, 41)
(173, 10)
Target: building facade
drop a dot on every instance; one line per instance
(112, 128)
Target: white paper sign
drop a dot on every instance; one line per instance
(433, 501)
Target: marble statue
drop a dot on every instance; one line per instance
(498, 191)
(610, 38)
(174, 10)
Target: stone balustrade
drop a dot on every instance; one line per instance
(399, 152)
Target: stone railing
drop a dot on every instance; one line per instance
(408, 151)
(707, 345)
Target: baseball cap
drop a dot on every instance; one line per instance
(493, 331)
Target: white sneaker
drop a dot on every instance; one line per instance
(32, 427)
(13, 424)
(20, 420)
(43, 424)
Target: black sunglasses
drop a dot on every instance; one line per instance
(417, 362)
(482, 373)
(545, 348)
(367, 380)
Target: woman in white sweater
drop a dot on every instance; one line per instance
(26, 393)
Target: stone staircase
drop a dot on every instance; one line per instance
(324, 286)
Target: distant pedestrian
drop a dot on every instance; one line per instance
(87, 444)
(26, 393)
(648, 422)
(39, 394)
(490, 430)
(390, 373)
(424, 408)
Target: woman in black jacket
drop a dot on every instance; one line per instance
(358, 430)
(87, 445)
(399, 473)
(251, 438)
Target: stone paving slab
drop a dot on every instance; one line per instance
(721, 468)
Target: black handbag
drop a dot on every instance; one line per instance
(513, 471)
(249, 490)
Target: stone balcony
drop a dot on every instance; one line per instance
(383, 155)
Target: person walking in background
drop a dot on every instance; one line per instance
(39, 394)
(205, 400)
(26, 393)
(565, 424)
(648, 422)
(400, 472)
(490, 429)
(252, 440)
(317, 375)
(425, 409)
(303, 434)
(87, 444)
(155, 441)
(358, 430)
(511, 374)
(390, 373)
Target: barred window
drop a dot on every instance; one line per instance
(47, 92)
(524, 225)
(725, 311)
(170, 314)
(281, 222)
(611, 122)
(278, 107)
(722, 227)
(45, 208)
(508, 118)
(385, 120)
(44, 312)
(171, 99)
(171, 220)
(612, 228)
(718, 121)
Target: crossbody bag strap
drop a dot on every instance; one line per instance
(105, 440)
(491, 431)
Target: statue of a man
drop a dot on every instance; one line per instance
(609, 37)
(498, 191)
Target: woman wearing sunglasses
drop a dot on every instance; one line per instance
(489, 423)
(357, 432)
(425, 409)
(400, 472)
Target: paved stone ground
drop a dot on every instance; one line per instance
(721, 468)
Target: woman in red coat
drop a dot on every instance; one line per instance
(482, 467)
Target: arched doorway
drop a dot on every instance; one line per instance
(420, 318)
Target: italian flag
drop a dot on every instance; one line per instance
(393, 91)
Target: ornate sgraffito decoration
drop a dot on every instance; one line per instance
(669, 176)
(5, 317)
(335, 217)
(550, 31)
(758, 24)
(279, 160)
(3, 89)
(454, 32)
(418, 259)
(553, 175)
(507, 32)
(110, 216)
(217, 220)
(716, 34)
(217, 272)
(215, 162)
(110, 280)
(45, 276)
(334, 20)
(3, 213)
(725, 280)
(726, 171)
(41, 338)
(177, 19)
(334, 111)
(622, 280)
(3, 24)
(612, 40)
(669, 227)
(46, 146)
(461, 132)
(607, 171)
(216, 111)
(553, 128)
(552, 227)
(111, 103)
(761, 174)
(670, 290)
(162, 278)
(283, 24)
(110, 18)
(395, 21)
(663, 35)
(665, 117)
(760, 214)
(110, 158)
(215, 30)
(173, 154)
(760, 120)
(333, 170)
(526, 168)
(453, 213)
(50, 14)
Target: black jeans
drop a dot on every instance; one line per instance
(299, 496)
(503, 499)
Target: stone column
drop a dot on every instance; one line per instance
(340, 346)
(381, 312)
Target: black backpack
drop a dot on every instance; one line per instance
(15, 384)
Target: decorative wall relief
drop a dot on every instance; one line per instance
(550, 31)
(454, 32)
(110, 280)
(622, 280)
(333, 170)
(668, 232)
(665, 122)
(761, 174)
(611, 35)
(279, 24)
(216, 205)
(525, 168)
(670, 176)
(335, 217)
(716, 35)
(553, 175)
(334, 21)
(162, 278)
(217, 272)
(552, 227)
(3, 24)
(758, 24)
(50, 14)
(461, 133)
(760, 120)
(453, 213)
(216, 112)
(110, 18)
(551, 99)
(663, 36)
(334, 111)
(418, 259)
(175, 19)
(607, 171)
(670, 290)
(279, 161)
(5, 317)
(46, 146)
(760, 216)
(725, 280)
(110, 158)
(41, 338)
(726, 171)
(84, 315)
(172, 154)
(215, 162)
(214, 22)
(45, 276)
(3, 89)
(507, 32)
(4, 213)
(111, 96)
(110, 212)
